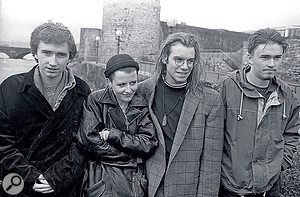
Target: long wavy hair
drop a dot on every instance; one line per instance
(188, 40)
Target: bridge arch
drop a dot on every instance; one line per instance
(15, 52)
(3, 55)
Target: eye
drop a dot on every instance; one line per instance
(277, 57)
(264, 58)
(191, 61)
(61, 55)
(179, 60)
(133, 83)
(47, 53)
(121, 85)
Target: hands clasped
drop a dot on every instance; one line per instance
(41, 185)
(104, 134)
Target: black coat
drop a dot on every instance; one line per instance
(131, 140)
(35, 140)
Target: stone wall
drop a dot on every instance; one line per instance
(139, 22)
(290, 70)
(89, 46)
(227, 41)
(93, 74)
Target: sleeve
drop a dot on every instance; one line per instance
(66, 171)
(142, 144)
(88, 137)
(210, 164)
(11, 159)
(291, 134)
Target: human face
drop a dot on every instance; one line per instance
(179, 74)
(53, 59)
(265, 61)
(124, 86)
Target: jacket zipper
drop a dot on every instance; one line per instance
(134, 188)
(126, 122)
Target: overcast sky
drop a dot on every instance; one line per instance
(19, 17)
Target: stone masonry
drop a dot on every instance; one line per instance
(139, 22)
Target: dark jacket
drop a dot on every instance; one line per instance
(131, 140)
(35, 140)
(260, 135)
(194, 167)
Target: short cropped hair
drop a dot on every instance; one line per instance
(265, 36)
(50, 32)
(126, 70)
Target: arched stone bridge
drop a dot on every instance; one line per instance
(15, 52)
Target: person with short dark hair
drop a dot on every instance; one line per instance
(188, 116)
(117, 134)
(262, 121)
(40, 113)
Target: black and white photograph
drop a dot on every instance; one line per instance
(149, 98)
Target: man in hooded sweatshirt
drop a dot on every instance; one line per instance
(262, 121)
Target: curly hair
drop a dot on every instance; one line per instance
(265, 36)
(50, 32)
(188, 40)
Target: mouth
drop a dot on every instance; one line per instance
(269, 70)
(127, 95)
(52, 69)
(182, 73)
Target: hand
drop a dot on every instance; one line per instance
(42, 186)
(104, 134)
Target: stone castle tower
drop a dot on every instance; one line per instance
(139, 22)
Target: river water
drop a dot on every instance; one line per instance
(9, 67)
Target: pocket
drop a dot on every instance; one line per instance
(95, 190)
(93, 184)
(141, 186)
(276, 127)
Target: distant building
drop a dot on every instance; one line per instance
(142, 32)
(134, 27)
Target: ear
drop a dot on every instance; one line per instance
(164, 59)
(108, 82)
(250, 58)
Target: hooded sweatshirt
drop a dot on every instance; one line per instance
(261, 134)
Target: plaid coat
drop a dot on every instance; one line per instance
(194, 166)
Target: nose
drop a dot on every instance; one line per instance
(128, 88)
(271, 63)
(185, 66)
(53, 61)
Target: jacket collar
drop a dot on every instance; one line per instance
(28, 80)
(109, 97)
(72, 82)
(239, 77)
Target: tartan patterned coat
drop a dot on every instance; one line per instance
(194, 166)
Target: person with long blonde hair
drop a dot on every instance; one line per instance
(188, 116)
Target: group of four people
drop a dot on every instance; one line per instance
(170, 135)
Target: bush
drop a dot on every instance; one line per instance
(290, 178)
